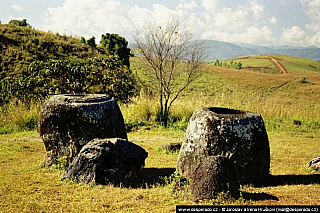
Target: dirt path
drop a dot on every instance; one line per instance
(283, 70)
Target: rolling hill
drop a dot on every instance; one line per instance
(291, 64)
(225, 50)
(19, 46)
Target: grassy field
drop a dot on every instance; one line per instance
(26, 186)
(298, 65)
(292, 64)
(289, 105)
(257, 64)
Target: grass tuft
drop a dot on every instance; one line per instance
(17, 117)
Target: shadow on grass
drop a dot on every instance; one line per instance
(151, 177)
(279, 180)
(258, 196)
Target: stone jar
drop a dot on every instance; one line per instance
(238, 135)
(68, 122)
(215, 174)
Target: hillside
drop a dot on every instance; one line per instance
(19, 46)
(225, 50)
(270, 63)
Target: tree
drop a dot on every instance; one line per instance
(83, 40)
(20, 23)
(170, 61)
(92, 42)
(117, 46)
(239, 66)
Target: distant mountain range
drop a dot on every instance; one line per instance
(224, 50)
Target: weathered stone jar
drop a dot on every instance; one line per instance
(215, 174)
(239, 135)
(68, 122)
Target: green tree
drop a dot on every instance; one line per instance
(83, 40)
(21, 23)
(117, 46)
(92, 42)
(239, 66)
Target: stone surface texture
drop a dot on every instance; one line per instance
(215, 174)
(238, 135)
(68, 122)
(103, 161)
(314, 164)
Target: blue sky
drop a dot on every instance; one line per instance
(262, 22)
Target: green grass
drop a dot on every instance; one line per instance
(298, 65)
(292, 64)
(257, 64)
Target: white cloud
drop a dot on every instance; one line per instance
(257, 9)
(251, 34)
(315, 40)
(241, 23)
(225, 18)
(17, 8)
(96, 17)
(236, 19)
(294, 36)
(211, 5)
(86, 18)
(187, 6)
(312, 8)
(272, 20)
(315, 27)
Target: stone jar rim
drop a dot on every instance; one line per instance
(228, 112)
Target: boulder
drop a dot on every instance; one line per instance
(68, 122)
(104, 161)
(214, 174)
(238, 135)
(171, 147)
(314, 164)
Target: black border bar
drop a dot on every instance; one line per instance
(234, 208)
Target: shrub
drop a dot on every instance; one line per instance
(93, 75)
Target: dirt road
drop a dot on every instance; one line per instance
(283, 70)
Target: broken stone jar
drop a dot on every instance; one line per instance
(238, 135)
(103, 161)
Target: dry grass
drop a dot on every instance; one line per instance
(26, 186)
(289, 105)
(16, 117)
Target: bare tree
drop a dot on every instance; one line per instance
(170, 61)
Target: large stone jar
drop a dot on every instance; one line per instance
(68, 122)
(238, 135)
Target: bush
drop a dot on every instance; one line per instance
(93, 75)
